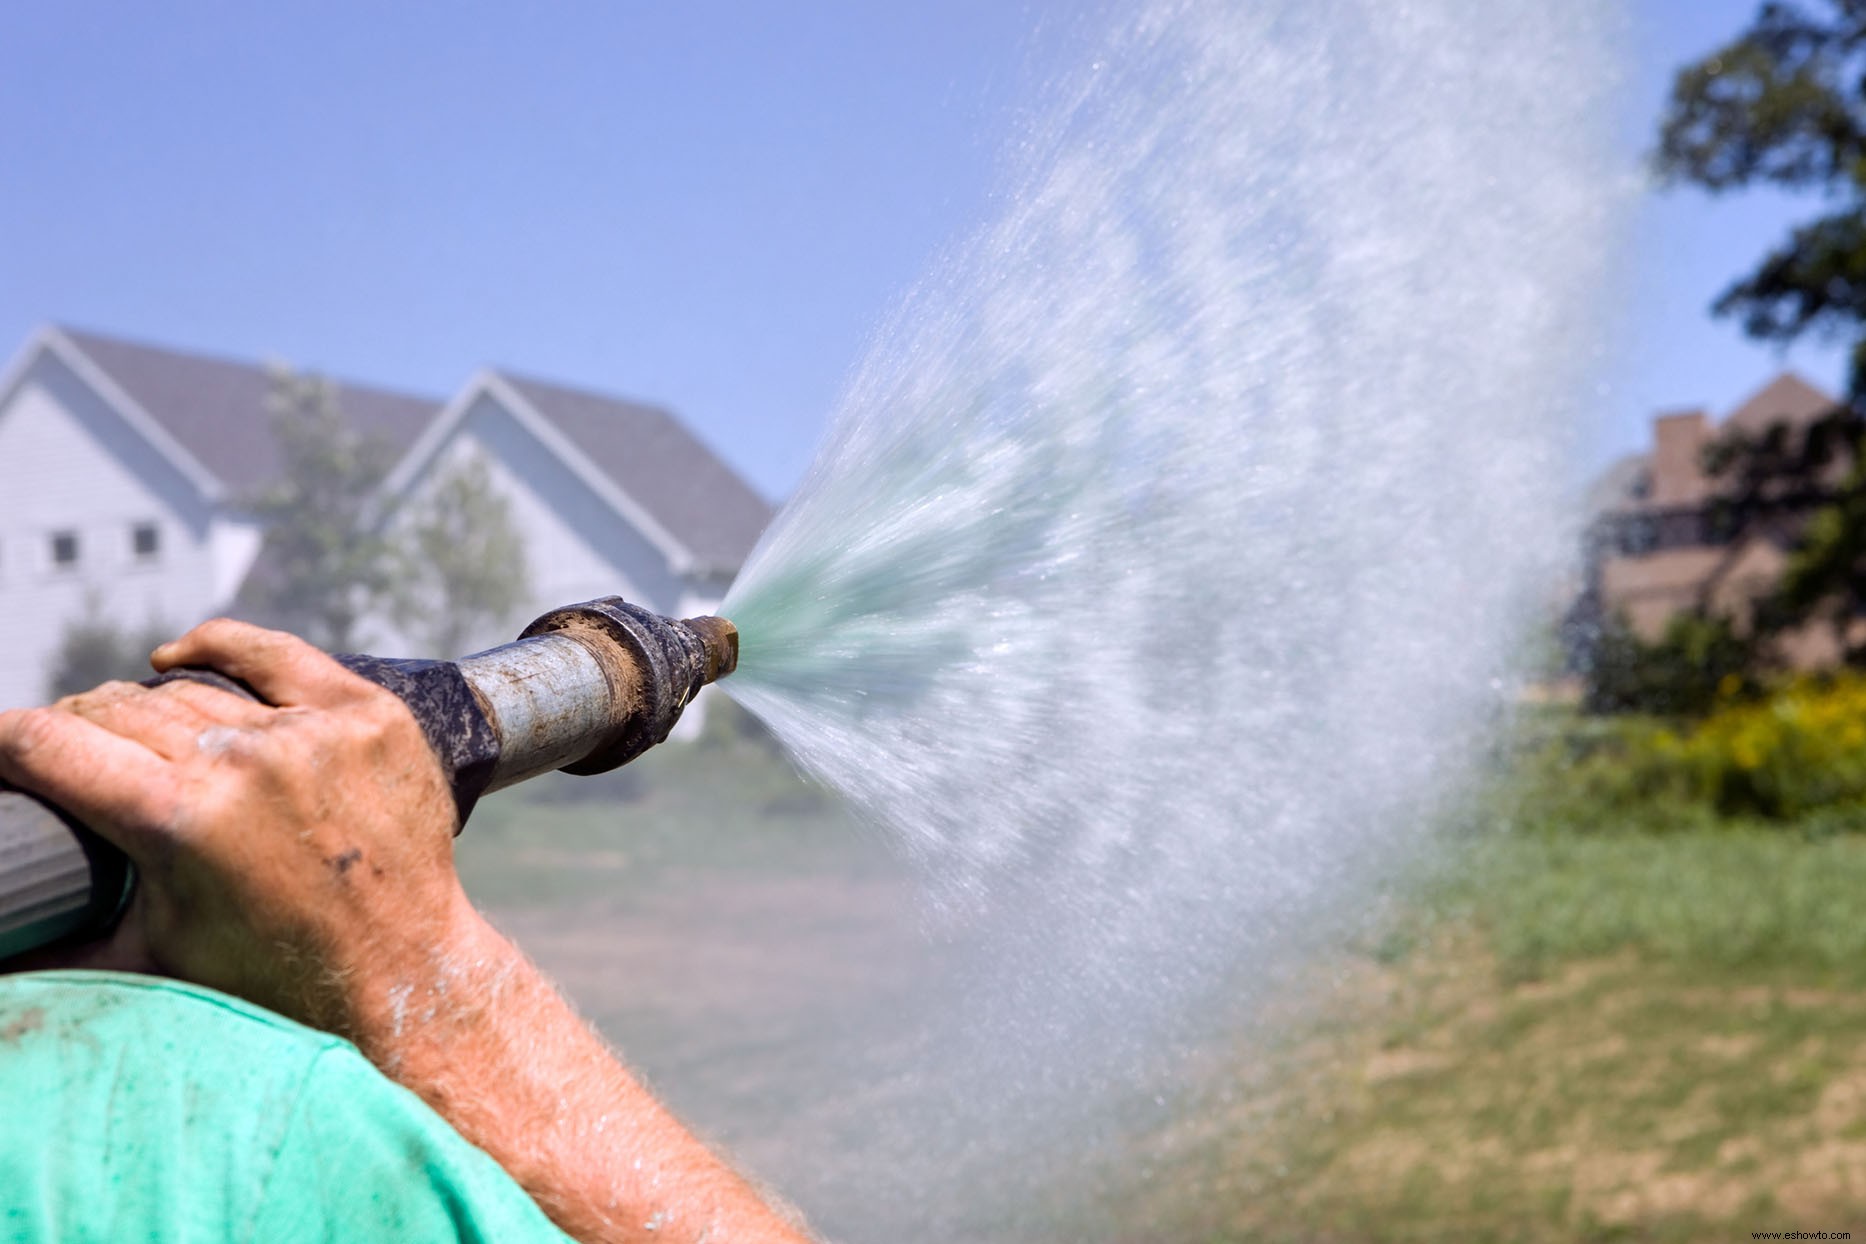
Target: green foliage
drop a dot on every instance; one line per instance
(94, 649)
(1566, 774)
(1682, 674)
(1825, 578)
(1809, 481)
(1796, 757)
(1784, 105)
(323, 568)
(464, 572)
(1801, 751)
(1782, 468)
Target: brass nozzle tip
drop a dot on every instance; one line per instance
(721, 639)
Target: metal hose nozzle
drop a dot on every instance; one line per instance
(584, 689)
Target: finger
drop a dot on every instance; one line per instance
(115, 785)
(176, 720)
(283, 669)
(220, 706)
(165, 724)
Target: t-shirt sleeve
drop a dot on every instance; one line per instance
(363, 1159)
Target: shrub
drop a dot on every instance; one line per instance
(1801, 750)
(1564, 773)
(1683, 674)
(1797, 755)
(94, 649)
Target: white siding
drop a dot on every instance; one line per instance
(233, 544)
(70, 463)
(576, 546)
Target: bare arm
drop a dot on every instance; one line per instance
(302, 857)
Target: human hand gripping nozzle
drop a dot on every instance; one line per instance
(584, 689)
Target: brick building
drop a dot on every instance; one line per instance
(126, 471)
(1660, 544)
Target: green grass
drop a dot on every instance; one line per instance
(1590, 1018)
(1739, 899)
(1563, 854)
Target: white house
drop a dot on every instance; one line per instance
(123, 467)
(610, 497)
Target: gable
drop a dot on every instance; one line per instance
(81, 485)
(653, 458)
(627, 484)
(64, 448)
(215, 409)
(578, 545)
(1787, 398)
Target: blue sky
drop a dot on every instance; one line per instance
(708, 204)
(1687, 247)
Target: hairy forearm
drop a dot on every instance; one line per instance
(480, 1034)
(346, 913)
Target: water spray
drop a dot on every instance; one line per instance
(583, 690)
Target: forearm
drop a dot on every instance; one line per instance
(299, 853)
(488, 1042)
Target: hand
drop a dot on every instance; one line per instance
(300, 856)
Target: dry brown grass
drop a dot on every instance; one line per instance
(1615, 1099)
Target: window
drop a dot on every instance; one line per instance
(64, 549)
(145, 541)
(1639, 535)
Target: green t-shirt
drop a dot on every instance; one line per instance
(141, 1109)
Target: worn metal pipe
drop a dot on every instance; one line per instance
(584, 689)
(547, 695)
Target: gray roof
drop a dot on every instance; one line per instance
(216, 408)
(653, 458)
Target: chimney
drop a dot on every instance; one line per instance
(1678, 459)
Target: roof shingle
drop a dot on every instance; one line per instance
(653, 458)
(216, 408)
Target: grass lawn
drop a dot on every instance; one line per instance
(1569, 1037)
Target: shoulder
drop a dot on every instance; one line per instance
(129, 1093)
(83, 1006)
(136, 1104)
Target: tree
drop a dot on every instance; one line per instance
(465, 573)
(96, 649)
(324, 567)
(1784, 105)
(1805, 487)
(1683, 673)
(1825, 579)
